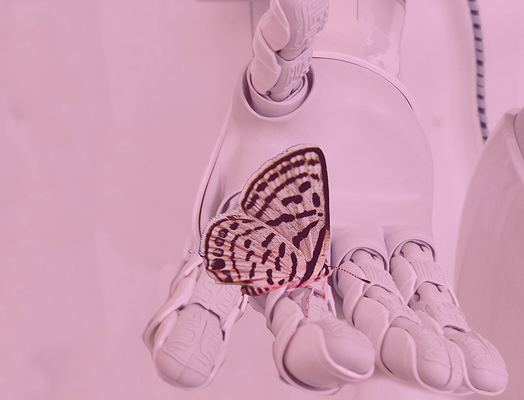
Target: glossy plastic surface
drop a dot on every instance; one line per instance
(491, 250)
(368, 203)
(375, 27)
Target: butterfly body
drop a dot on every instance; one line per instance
(280, 234)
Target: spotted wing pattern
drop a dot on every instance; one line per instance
(280, 235)
(290, 194)
(241, 250)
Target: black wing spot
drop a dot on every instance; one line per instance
(315, 177)
(272, 177)
(219, 241)
(281, 282)
(286, 183)
(299, 163)
(306, 214)
(316, 200)
(268, 240)
(269, 274)
(217, 264)
(265, 256)
(279, 220)
(277, 264)
(293, 267)
(218, 252)
(223, 232)
(305, 186)
(285, 169)
(248, 290)
(269, 199)
(247, 243)
(290, 181)
(252, 201)
(282, 250)
(303, 234)
(249, 254)
(252, 270)
(261, 186)
(292, 199)
(234, 225)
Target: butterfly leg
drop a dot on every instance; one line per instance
(426, 290)
(379, 311)
(308, 299)
(289, 291)
(323, 280)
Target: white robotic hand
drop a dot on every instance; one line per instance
(426, 291)
(413, 320)
(188, 335)
(407, 319)
(320, 352)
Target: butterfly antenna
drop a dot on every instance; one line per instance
(352, 274)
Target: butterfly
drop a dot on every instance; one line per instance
(279, 236)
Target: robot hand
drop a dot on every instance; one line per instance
(415, 324)
(406, 320)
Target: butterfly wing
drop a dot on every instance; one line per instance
(238, 249)
(290, 194)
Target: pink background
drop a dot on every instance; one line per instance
(108, 113)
